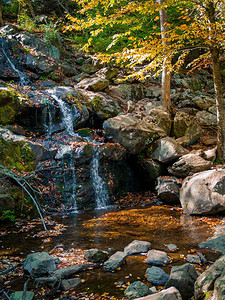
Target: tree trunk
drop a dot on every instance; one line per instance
(1, 20)
(166, 77)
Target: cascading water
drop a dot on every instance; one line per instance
(24, 79)
(99, 186)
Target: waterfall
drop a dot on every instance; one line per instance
(24, 79)
(68, 115)
(99, 186)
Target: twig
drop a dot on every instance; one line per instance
(6, 295)
(10, 269)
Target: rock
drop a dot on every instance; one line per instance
(137, 247)
(210, 154)
(7, 202)
(136, 289)
(193, 259)
(157, 258)
(127, 92)
(107, 73)
(203, 193)
(169, 294)
(69, 69)
(115, 261)
(168, 189)
(216, 244)
(206, 119)
(38, 264)
(189, 163)
(156, 276)
(172, 247)
(183, 278)
(69, 271)
(194, 83)
(186, 125)
(204, 102)
(211, 281)
(72, 283)
(95, 255)
(183, 141)
(88, 68)
(9, 103)
(18, 295)
(132, 133)
(95, 84)
(153, 168)
(80, 77)
(167, 150)
(213, 110)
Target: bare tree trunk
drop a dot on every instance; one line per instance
(1, 20)
(166, 77)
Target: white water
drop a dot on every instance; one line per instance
(99, 186)
(24, 79)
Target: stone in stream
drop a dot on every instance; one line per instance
(217, 244)
(171, 247)
(38, 264)
(72, 283)
(203, 193)
(157, 258)
(96, 256)
(183, 278)
(169, 294)
(211, 281)
(69, 271)
(168, 189)
(193, 259)
(137, 247)
(156, 276)
(19, 294)
(137, 289)
(115, 261)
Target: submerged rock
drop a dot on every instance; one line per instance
(115, 261)
(95, 255)
(203, 193)
(137, 289)
(137, 247)
(71, 283)
(38, 264)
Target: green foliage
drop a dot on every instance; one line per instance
(9, 215)
(51, 34)
(10, 8)
(26, 22)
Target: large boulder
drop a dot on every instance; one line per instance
(38, 264)
(19, 295)
(168, 189)
(210, 284)
(167, 150)
(71, 283)
(157, 258)
(204, 192)
(153, 169)
(156, 276)
(206, 119)
(127, 92)
(216, 244)
(115, 261)
(183, 278)
(95, 84)
(137, 247)
(186, 125)
(96, 255)
(136, 289)
(169, 294)
(132, 133)
(189, 163)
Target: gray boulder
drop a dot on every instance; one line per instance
(183, 278)
(132, 133)
(203, 193)
(157, 258)
(71, 283)
(168, 189)
(107, 73)
(126, 92)
(136, 289)
(204, 102)
(95, 84)
(189, 163)
(211, 282)
(18, 295)
(169, 294)
(167, 150)
(136, 247)
(96, 255)
(115, 261)
(206, 119)
(156, 276)
(216, 244)
(38, 264)
(153, 168)
(194, 259)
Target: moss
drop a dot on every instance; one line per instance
(7, 114)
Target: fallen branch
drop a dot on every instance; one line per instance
(10, 269)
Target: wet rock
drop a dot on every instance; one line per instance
(136, 247)
(136, 289)
(153, 168)
(206, 119)
(18, 295)
(156, 276)
(115, 261)
(169, 294)
(95, 84)
(186, 125)
(131, 132)
(69, 271)
(211, 281)
(167, 150)
(203, 193)
(72, 283)
(38, 264)
(96, 256)
(168, 189)
(183, 278)
(189, 163)
(193, 259)
(216, 244)
(157, 258)
(172, 247)
(127, 92)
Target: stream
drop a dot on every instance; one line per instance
(105, 229)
